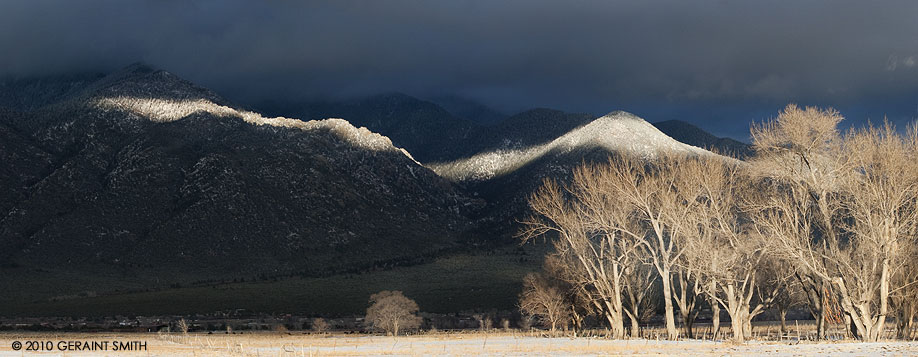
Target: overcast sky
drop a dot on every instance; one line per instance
(718, 64)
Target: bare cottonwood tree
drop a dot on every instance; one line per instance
(881, 196)
(392, 312)
(802, 150)
(608, 212)
(726, 254)
(659, 200)
(858, 195)
(575, 216)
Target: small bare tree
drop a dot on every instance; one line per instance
(392, 312)
(182, 326)
(576, 297)
(319, 325)
(485, 322)
(525, 323)
(543, 300)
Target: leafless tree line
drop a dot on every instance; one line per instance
(817, 218)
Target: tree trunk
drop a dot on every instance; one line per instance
(715, 311)
(687, 321)
(613, 311)
(850, 327)
(901, 325)
(864, 325)
(633, 311)
(740, 313)
(668, 312)
(635, 327)
(904, 318)
(736, 322)
(738, 325)
(782, 314)
(686, 300)
(815, 291)
(747, 323)
(618, 325)
(715, 318)
(821, 321)
(909, 329)
(577, 319)
(611, 305)
(880, 321)
(822, 293)
(867, 326)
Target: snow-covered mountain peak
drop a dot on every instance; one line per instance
(623, 131)
(617, 131)
(620, 115)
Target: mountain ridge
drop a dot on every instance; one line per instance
(468, 109)
(209, 185)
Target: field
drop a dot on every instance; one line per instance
(459, 282)
(495, 343)
(452, 283)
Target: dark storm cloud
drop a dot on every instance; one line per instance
(718, 64)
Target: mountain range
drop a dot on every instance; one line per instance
(141, 171)
(433, 134)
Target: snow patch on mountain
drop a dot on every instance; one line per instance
(617, 131)
(167, 110)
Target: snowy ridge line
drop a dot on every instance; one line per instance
(617, 131)
(163, 111)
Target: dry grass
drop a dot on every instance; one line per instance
(440, 343)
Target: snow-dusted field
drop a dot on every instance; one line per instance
(504, 344)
